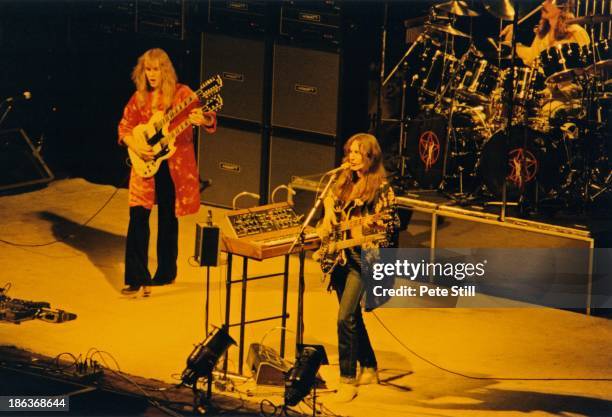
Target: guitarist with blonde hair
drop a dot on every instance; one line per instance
(361, 191)
(175, 186)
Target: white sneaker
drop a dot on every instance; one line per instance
(346, 393)
(368, 376)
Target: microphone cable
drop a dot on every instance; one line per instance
(63, 238)
(450, 371)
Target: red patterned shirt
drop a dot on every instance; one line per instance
(182, 165)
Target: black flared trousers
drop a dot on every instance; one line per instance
(137, 244)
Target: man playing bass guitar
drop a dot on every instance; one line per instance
(360, 191)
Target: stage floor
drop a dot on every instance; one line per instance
(434, 362)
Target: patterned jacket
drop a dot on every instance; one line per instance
(182, 165)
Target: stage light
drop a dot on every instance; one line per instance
(303, 376)
(204, 356)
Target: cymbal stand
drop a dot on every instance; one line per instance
(383, 57)
(502, 214)
(402, 117)
(450, 134)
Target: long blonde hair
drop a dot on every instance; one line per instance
(168, 76)
(374, 174)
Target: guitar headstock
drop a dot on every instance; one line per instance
(213, 103)
(210, 87)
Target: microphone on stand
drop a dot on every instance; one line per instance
(26, 95)
(342, 167)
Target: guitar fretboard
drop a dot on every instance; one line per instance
(208, 88)
(359, 221)
(214, 103)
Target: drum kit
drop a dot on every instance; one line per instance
(485, 121)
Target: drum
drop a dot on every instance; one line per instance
(526, 82)
(554, 113)
(426, 142)
(435, 72)
(419, 59)
(523, 85)
(477, 78)
(522, 166)
(561, 62)
(603, 55)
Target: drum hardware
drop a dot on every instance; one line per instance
(590, 20)
(501, 9)
(425, 77)
(436, 75)
(478, 79)
(473, 110)
(456, 147)
(448, 29)
(564, 62)
(457, 7)
(420, 39)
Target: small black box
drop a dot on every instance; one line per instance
(207, 245)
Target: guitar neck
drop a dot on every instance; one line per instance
(185, 124)
(349, 243)
(358, 221)
(174, 111)
(208, 88)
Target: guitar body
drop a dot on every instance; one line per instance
(155, 132)
(162, 147)
(331, 256)
(349, 222)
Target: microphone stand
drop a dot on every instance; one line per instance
(9, 107)
(380, 85)
(502, 216)
(299, 240)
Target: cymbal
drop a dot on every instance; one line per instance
(448, 29)
(590, 20)
(456, 7)
(502, 9)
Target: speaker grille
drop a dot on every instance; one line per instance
(231, 158)
(240, 62)
(291, 157)
(305, 90)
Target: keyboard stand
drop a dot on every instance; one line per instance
(245, 278)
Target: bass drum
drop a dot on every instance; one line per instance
(524, 167)
(426, 141)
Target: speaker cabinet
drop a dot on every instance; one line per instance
(305, 90)
(291, 158)
(240, 62)
(231, 159)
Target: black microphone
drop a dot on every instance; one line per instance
(26, 95)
